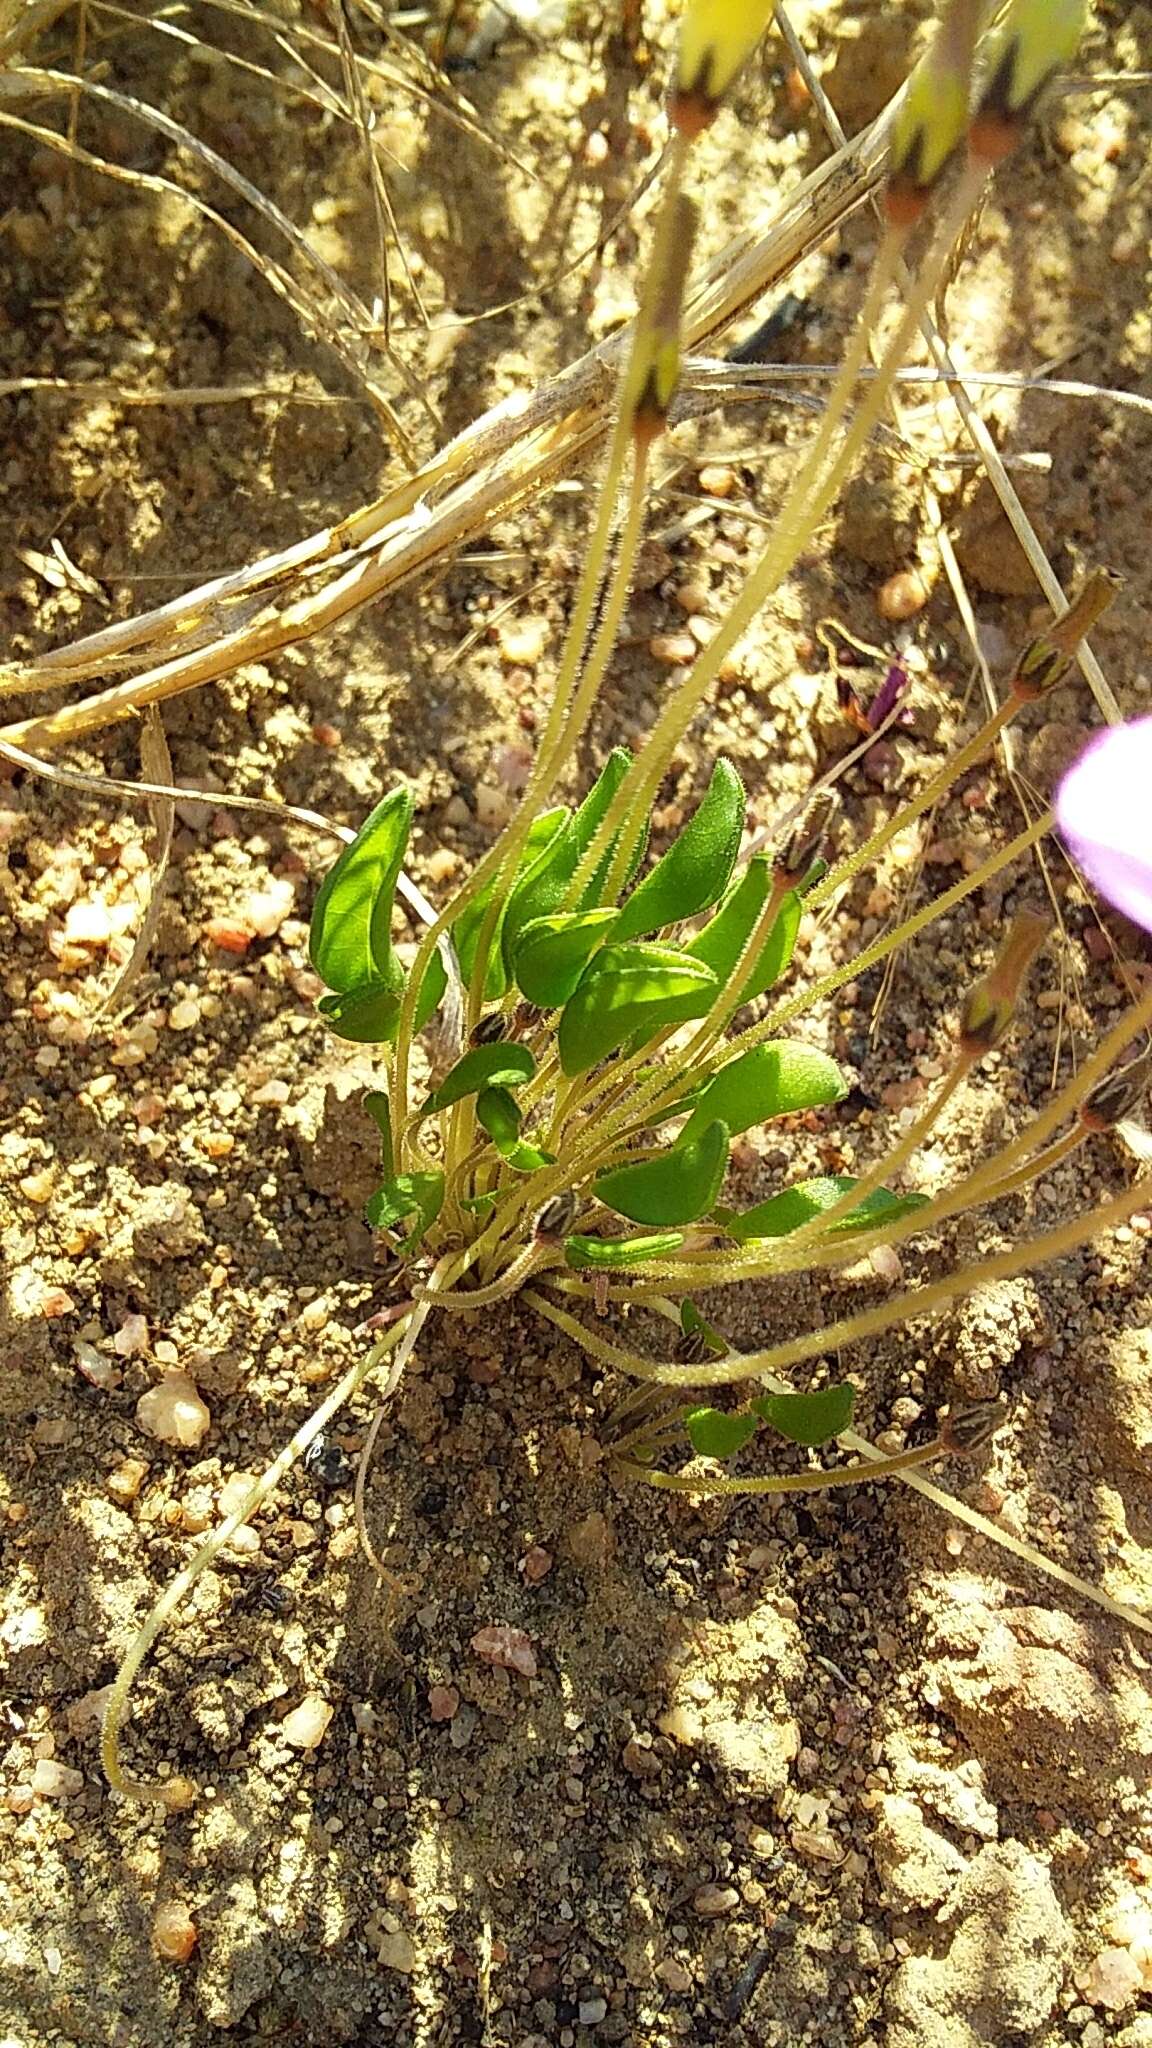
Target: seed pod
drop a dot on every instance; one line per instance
(490, 1030)
(654, 368)
(990, 1006)
(554, 1221)
(1117, 1096)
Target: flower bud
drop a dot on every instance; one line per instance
(805, 843)
(1047, 659)
(1035, 39)
(932, 115)
(964, 1431)
(716, 39)
(991, 1005)
(654, 369)
(556, 1218)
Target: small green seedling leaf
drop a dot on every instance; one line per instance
(793, 1207)
(431, 991)
(506, 1064)
(702, 1333)
(808, 1419)
(542, 890)
(610, 1254)
(715, 1434)
(628, 992)
(552, 953)
(770, 1080)
(350, 937)
(466, 930)
(368, 1016)
(380, 1110)
(724, 937)
(421, 1194)
(695, 870)
(675, 1186)
(499, 1114)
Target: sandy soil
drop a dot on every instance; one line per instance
(832, 1770)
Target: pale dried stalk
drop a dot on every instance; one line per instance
(504, 458)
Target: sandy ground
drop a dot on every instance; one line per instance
(831, 1770)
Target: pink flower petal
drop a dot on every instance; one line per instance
(1104, 811)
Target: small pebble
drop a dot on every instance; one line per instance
(443, 1702)
(536, 1564)
(711, 1901)
(902, 596)
(592, 2011)
(307, 1725)
(51, 1780)
(522, 641)
(173, 1412)
(674, 1975)
(508, 1648)
(184, 1015)
(125, 1481)
(673, 648)
(229, 934)
(174, 1934)
(717, 480)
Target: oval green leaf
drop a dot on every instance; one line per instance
(498, 1113)
(609, 1254)
(369, 1016)
(543, 888)
(695, 871)
(507, 1064)
(715, 1434)
(630, 991)
(350, 936)
(552, 953)
(379, 1109)
(675, 1186)
(419, 1194)
(466, 931)
(723, 939)
(776, 1079)
(808, 1419)
(793, 1207)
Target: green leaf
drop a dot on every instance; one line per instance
(431, 991)
(350, 937)
(771, 1080)
(695, 870)
(542, 889)
(674, 1186)
(380, 1110)
(724, 937)
(499, 1114)
(715, 1434)
(552, 953)
(369, 1016)
(808, 1419)
(628, 991)
(693, 1325)
(421, 1194)
(793, 1207)
(506, 1064)
(609, 1254)
(466, 930)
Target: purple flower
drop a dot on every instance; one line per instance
(1104, 811)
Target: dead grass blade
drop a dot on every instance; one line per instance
(156, 762)
(499, 462)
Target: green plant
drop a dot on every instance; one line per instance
(574, 1148)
